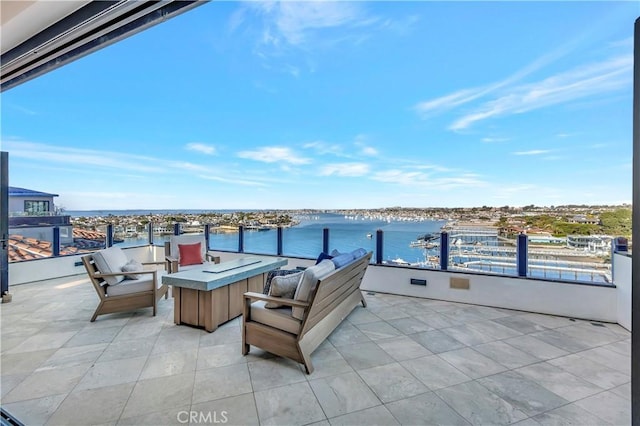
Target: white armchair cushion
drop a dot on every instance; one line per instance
(133, 266)
(174, 240)
(145, 283)
(308, 282)
(110, 261)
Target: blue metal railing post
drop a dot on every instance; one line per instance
(325, 240)
(109, 238)
(444, 251)
(279, 241)
(56, 242)
(379, 246)
(176, 228)
(240, 239)
(207, 234)
(522, 254)
(150, 233)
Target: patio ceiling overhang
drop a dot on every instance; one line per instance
(40, 36)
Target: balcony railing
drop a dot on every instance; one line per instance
(450, 254)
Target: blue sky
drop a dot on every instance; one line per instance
(338, 105)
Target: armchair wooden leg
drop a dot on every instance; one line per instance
(364, 302)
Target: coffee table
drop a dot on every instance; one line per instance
(211, 295)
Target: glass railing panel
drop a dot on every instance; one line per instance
(225, 239)
(262, 241)
(346, 238)
(588, 262)
(302, 241)
(28, 244)
(481, 249)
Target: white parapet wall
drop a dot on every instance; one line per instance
(63, 266)
(621, 267)
(591, 302)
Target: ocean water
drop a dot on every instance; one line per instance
(305, 239)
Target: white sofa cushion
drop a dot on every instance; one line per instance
(110, 261)
(133, 266)
(279, 318)
(308, 282)
(174, 240)
(145, 283)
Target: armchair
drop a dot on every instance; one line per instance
(121, 284)
(172, 250)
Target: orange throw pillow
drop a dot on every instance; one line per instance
(190, 254)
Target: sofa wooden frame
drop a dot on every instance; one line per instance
(125, 302)
(332, 300)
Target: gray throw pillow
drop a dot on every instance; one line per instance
(276, 273)
(133, 266)
(283, 286)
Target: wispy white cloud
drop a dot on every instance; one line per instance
(235, 181)
(421, 179)
(294, 23)
(323, 148)
(274, 154)
(581, 82)
(494, 140)
(532, 152)
(365, 148)
(200, 147)
(81, 158)
(345, 169)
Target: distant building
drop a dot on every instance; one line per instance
(33, 214)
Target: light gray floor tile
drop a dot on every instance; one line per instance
(609, 407)
(494, 329)
(128, 349)
(219, 355)
(434, 372)
(343, 394)
(414, 308)
(569, 415)
(467, 314)
(525, 394)
(347, 334)
(378, 416)
(437, 320)
(536, 347)
(43, 341)
(222, 336)
(92, 336)
(490, 313)
(46, 383)
(425, 409)
(402, 348)
(95, 406)
(364, 355)
(169, 363)
(591, 371)
(437, 341)
(159, 394)
(622, 347)
(468, 335)
(139, 330)
(589, 334)
(562, 341)
(518, 323)
(75, 355)
(409, 325)
(235, 410)
(392, 382)
(271, 373)
(559, 381)
(174, 416)
(472, 363)
(26, 362)
(327, 361)
(221, 382)
(288, 405)
(506, 354)
(547, 321)
(9, 381)
(609, 358)
(35, 411)
(177, 339)
(389, 312)
(623, 390)
(529, 422)
(111, 373)
(478, 405)
(378, 330)
(361, 315)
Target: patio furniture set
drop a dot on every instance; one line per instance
(286, 312)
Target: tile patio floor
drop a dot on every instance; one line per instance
(402, 360)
